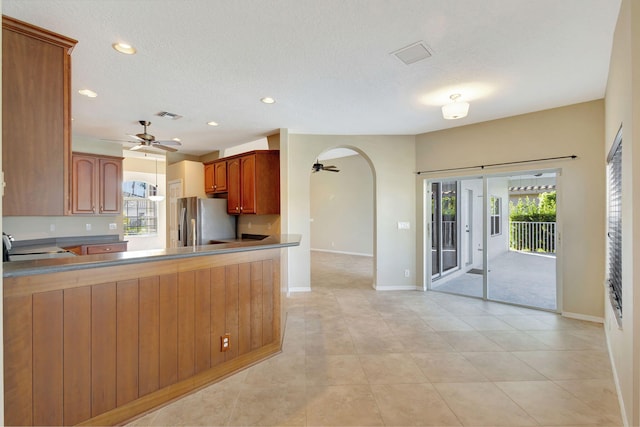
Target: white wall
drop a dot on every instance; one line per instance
(342, 207)
(576, 129)
(392, 162)
(622, 106)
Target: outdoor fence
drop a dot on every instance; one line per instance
(532, 236)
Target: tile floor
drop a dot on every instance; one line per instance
(356, 357)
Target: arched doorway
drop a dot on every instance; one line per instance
(342, 218)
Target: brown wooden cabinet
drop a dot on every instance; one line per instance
(36, 122)
(253, 183)
(215, 177)
(96, 184)
(98, 248)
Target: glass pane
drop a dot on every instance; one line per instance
(449, 229)
(521, 242)
(435, 229)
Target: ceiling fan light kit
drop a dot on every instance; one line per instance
(455, 110)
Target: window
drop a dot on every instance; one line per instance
(496, 215)
(614, 225)
(140, 215)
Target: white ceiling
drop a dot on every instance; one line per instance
(326, 62)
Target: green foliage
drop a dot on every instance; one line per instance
(531, 210)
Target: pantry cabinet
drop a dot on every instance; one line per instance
(96, 184)
(36, 122)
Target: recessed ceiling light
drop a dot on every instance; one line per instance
(87, 92)
(125, 48)
(268, 100)
(212, 123)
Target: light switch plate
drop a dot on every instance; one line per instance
(404, 225)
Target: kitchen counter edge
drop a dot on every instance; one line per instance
(47, 266)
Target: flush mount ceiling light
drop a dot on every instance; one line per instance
(125, 48)
(212, 123)
(268, 100)
(88, 93)
(455, 110)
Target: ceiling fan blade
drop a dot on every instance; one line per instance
(136, 137)
(164, 147)
(329, 167)
(332, 170)
(137, 147)
(168, 142)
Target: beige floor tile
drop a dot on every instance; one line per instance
(446, 323)
(515, 340)
(412, 405)
(329, 343)
(342, 405)
(270, 406)
(447, 368)
(426, 342)
(483, 404)
(564, 365)
(549, 404)
(566, 340)
(526, 323)
(281, 369)
(370, 343)
(334, 370)
(470, 341)
(486, 323)
(398, 368)
(502, 366)
(597, 394)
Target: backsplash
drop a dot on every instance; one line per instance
(42, 227)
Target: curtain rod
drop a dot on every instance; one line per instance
(573, 156)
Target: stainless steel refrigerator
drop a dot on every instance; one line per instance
(203, 221)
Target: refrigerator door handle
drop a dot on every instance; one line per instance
(193, 229)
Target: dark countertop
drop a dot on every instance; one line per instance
(54, 265)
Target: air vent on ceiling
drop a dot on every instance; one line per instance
(413, 53)
(169, 115)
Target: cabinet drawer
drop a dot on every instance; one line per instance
(105, 248)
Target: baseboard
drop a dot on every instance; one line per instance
(396, 288)
(579, 316)
(299, 289)
(342, 252)
(616, 381)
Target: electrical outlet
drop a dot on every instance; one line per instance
(113, 226)
(225, 342)
(52, 227)
(88, 227)
(407, 273)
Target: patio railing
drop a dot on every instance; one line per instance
(532, 236)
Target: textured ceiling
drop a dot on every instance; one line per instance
(326, 62)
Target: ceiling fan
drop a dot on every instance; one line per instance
(146, 140)
(317, 167)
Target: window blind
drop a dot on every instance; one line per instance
(614, 225)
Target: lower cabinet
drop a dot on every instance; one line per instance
(100, 346)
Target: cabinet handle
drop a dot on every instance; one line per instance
(107, 249)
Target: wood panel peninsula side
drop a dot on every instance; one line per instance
(101, 339)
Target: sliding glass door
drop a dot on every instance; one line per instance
(493, 237)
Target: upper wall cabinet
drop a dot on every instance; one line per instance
(253, 183)
(215, 176)
(96, 185)
(36, 122)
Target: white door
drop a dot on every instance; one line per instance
(175, 192)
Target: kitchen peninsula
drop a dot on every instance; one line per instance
(100, 339)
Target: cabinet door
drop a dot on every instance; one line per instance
(219, 176)
(110, 182)
(209, 186)
(233, 186)
(248, 184)
(83, 185)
